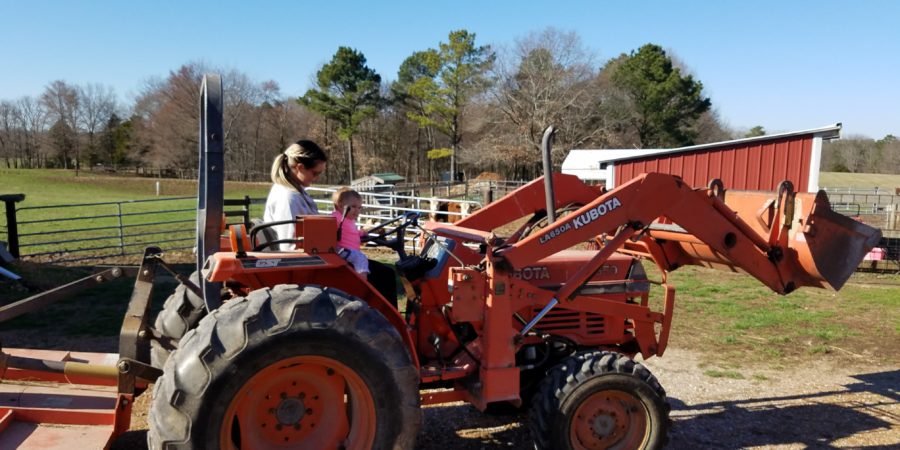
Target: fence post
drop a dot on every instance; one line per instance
(121, 230)
(12, 228)
(246, 211)
(487, 193)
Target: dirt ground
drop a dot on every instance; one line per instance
(823, 404)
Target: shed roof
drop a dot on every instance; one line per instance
(389, 177)
(580, 158)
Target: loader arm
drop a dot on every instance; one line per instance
(529, 199)
(684, 225)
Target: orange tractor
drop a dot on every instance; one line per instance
(274, 349)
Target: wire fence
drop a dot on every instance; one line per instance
(862, 190)
(91, 231)
(104, 230)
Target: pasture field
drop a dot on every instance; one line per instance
(106, 212)
(883, 181)
(59, 187)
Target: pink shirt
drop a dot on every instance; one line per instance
(350, 235)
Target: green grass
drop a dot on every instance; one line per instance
(732, 374)
(97, 311)
(55, 187)
(120, 211)
(859, 180)
(736, 319)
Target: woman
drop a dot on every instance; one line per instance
(294, 170)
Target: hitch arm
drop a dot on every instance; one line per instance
(38, 301)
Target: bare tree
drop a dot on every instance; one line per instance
(709, 128)
(167, 118)
(97, 104)
(855, 154)
(890, 152)
(33, 119)
(546, 78)
(61, 100)
(8, 130)
(242, 125)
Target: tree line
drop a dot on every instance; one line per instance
(457, 108)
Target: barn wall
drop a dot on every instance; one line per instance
(749, 166)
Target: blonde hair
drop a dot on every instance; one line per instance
(304, 152)
(342, 195)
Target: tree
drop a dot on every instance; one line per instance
(755, 131)
(348, 92)
(461, 77)
(114, 141)
(97, 106)
(61, 100)
(63, 139)
(416, 79)
(32, 123)
(547, 78)
(8, 131)
(666, 104)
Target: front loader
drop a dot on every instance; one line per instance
(273, 349)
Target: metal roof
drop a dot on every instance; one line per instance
(581, 158)
(389, 177)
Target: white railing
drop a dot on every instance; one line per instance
(378, 208)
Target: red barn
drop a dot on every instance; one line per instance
(757, 163)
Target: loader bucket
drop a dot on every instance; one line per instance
(814, 246)
(832, 245)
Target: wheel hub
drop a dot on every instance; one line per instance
(604, 425)
(290, 411)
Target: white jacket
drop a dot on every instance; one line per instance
(286, 203)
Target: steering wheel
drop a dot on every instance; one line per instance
(396, 243)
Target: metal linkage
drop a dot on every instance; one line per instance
(39, 301)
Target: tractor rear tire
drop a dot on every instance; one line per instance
(180, 313)
(300, 367)
(600, 400)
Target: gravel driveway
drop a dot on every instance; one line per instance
(826, 404)
(820, 405)
(813, 406)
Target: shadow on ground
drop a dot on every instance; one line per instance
(817, 420)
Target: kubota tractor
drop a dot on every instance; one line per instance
(275, 349)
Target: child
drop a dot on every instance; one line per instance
(347, 204)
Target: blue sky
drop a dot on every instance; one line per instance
(785, 65)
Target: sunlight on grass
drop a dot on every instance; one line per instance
(738, 319)
(818, 350)
(730, 339)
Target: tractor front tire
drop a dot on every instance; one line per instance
(180, 313)
(299, 367)
(600, 400)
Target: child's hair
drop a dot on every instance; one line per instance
(343, 194)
